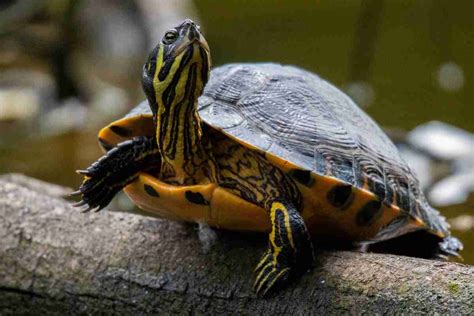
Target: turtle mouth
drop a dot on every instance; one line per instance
(203, 44)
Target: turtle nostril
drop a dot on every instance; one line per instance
(189, 22)
(193, 33)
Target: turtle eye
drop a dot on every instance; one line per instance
(170, 37)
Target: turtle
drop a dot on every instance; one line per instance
(259, 147)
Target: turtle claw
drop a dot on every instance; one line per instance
(120, 166)
(90, 208)
(77, 192)
(289, 253)
(97, 209)
(270, 275)
(97, 192)
(262, 262)
(272, 280)
(80, 203)
(85, 209)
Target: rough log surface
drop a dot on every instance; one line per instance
(55, 260)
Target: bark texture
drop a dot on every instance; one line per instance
(56, 260)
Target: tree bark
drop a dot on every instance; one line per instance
(56, 260)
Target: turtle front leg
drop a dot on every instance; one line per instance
(290, 252)
(113, 171)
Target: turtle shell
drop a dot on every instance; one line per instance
(295, 115)
(311, 129)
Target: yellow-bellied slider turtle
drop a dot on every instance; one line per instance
(267, 148)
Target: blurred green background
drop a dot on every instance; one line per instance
(69, 67)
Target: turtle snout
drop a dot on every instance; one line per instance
(191, 30)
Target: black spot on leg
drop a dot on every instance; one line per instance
(340, 196)
(302, 176)
(150, 190)
(121, 131)
(369, 213)
(196, 198)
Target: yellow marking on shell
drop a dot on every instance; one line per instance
(229, 211)
(232, 212)
(324, 219)
(439, 234)
(139, 125)
(225, 210)
(394, 200)
(418, 221)
(365, 186)
(171, 202)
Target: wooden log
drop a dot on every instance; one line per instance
(56, 260)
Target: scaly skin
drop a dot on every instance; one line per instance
(173, 79)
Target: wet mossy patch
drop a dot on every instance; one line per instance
(453, 288)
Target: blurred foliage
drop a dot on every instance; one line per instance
(413, 39)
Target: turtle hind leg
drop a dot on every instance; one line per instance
(289, 253)
(421, 244)
(113, 171)
(449, 246)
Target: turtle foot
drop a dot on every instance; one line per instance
(270, 274)
(97, 192)
(113, 171)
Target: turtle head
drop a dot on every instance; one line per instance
(177, 68)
